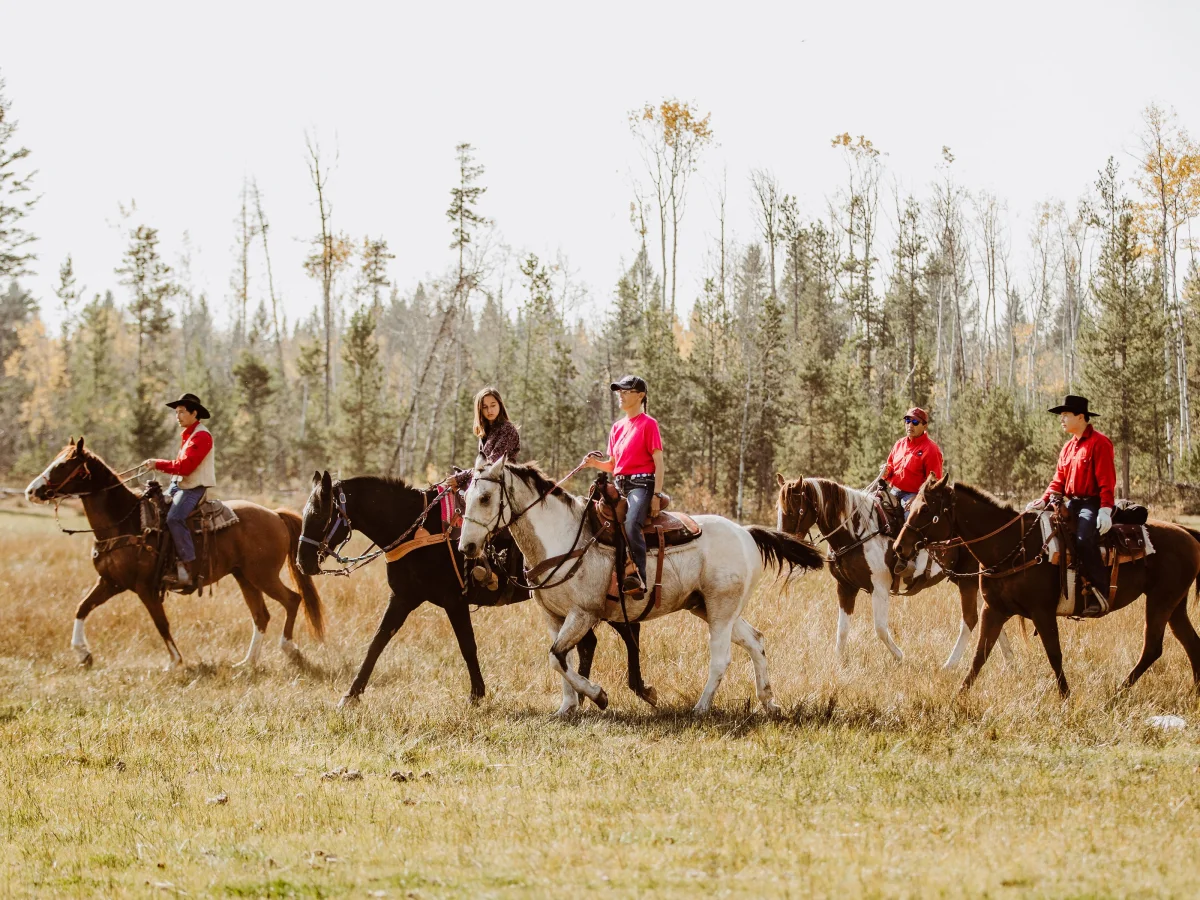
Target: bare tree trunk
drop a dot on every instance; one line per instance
(262, 229)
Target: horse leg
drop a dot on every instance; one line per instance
(991, 623)
(576, 624)
(459, 615)
(258, 613)
(750, 638)
(393, 617)
(846, 595)
(631, 634)
(1157, 616)
(274, 588)
(570, 700)
(720, 633)
(154, 606)
(102, 591)
(972, 603)
(1046, 624)
(1181, 627)
(881, 585)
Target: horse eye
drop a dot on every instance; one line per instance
(485, 500)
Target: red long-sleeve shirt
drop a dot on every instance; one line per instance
(1086, 468)
(911, 461)
(193, 447)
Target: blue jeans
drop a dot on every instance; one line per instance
(1087, 541)
(905, 498)
(182, 503)
(639, 492)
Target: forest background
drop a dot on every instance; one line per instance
(799, 354)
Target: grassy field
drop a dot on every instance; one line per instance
(129, 781)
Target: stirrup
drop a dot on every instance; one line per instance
(633, 586)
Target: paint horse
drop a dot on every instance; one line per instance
(852, 525)
(386, 510)
(253, 551)
(711, 577)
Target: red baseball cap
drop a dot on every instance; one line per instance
(917, 413)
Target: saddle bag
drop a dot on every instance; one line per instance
(1126, 512)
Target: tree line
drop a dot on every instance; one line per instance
(799, 353)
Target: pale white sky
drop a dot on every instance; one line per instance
(172, 104)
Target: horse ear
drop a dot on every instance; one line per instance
(940, 484)
(780, 480)
(497, 467)
(79, 445)
(316, 478)
(326, 481)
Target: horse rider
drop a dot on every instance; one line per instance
(1086, 478)
(192, 472)
(498, 437)
(635, 458)
(913, 459)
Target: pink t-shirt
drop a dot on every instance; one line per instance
(632, 443)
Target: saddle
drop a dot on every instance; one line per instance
(209, 516)
(1127, 541)
(607, 512)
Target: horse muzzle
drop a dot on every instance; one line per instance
(37, 492)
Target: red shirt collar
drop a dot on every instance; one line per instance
(187, 432)
(1087, 433)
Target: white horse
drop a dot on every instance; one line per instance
(851, 523)
(712, 576)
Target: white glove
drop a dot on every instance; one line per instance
(1036, 506)
(1104, 520)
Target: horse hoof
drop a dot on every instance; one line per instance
(85, 661)
(349, 701)
(773, 709)
(601, 699)
(476, 699)
(567, 710)
(701, 709)
(650, 695)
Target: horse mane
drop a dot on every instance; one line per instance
(832, 495)
(980, 494)
(533, 476)
(386, 481)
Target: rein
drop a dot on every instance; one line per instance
(939, 548)
(56, 494)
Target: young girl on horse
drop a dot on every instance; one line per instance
(497, 435)
(636, 460)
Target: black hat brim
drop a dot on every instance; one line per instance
(1082, 412)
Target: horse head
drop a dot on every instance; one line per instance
(75, 471)
(929, 518)
(488, 509)
(795, 506)
(320, 530)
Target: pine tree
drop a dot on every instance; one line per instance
(249, 449)
(364, 422)
(1124, 339)
(16, 197)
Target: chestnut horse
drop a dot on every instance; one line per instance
(253, 550)
(1008, 544)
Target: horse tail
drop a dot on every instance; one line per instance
(779, 547)
(304, 583)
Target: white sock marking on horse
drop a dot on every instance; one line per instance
(843, 632)
(252, 653)
(287, 646)
(176, 656)
(922, 562)
(79, 640)
(874, 551)
(749, 638)
(960, 646)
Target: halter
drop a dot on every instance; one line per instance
(56, 493)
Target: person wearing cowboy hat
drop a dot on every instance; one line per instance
(913, 459)
(1086, 478)
(192, 472)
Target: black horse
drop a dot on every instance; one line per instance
(383, 509)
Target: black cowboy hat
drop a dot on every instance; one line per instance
(629, 383)
(193, 403)
(1076, 405)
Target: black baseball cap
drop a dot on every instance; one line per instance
(629, 383)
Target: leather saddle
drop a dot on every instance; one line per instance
(607, 512)
(210, 515)
(1127, 541)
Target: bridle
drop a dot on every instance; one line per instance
(825, 537)
(55, 492)
(939, 549)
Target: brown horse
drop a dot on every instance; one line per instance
(252, 551)
(1008, 544)
(849, 522)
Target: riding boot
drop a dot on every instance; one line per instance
(633, 585)
(183, 572)
(1095, 604)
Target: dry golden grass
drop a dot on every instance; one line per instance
(877, 783)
